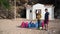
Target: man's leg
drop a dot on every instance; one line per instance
(46, 26)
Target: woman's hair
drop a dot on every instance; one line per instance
(30, 11)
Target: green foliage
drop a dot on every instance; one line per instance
(5, 4)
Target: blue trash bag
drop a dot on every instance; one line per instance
(36, 24)
(29, 25)
(32, 25)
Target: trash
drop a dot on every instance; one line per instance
(42, 24)
(23, 25)
(26, 24)
(40, 28)
(36, 24)
(29, 25)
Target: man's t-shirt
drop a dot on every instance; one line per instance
(46, 15)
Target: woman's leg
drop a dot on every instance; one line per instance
(38, 23)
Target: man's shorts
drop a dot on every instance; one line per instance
(46, 21)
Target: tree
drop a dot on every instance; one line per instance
(5, 3)
(4, 8)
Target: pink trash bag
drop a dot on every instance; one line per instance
(23, 25)
(26, 24)
(42, 24)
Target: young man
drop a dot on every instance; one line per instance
(46, 19)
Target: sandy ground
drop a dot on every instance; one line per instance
(10, 27)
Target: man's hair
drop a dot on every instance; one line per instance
(46, 9)
(30, 11)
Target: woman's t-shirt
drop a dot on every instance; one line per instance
(38, 16)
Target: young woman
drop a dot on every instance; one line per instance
(38, 17)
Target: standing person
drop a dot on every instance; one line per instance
(46, 19)
(38, 17)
